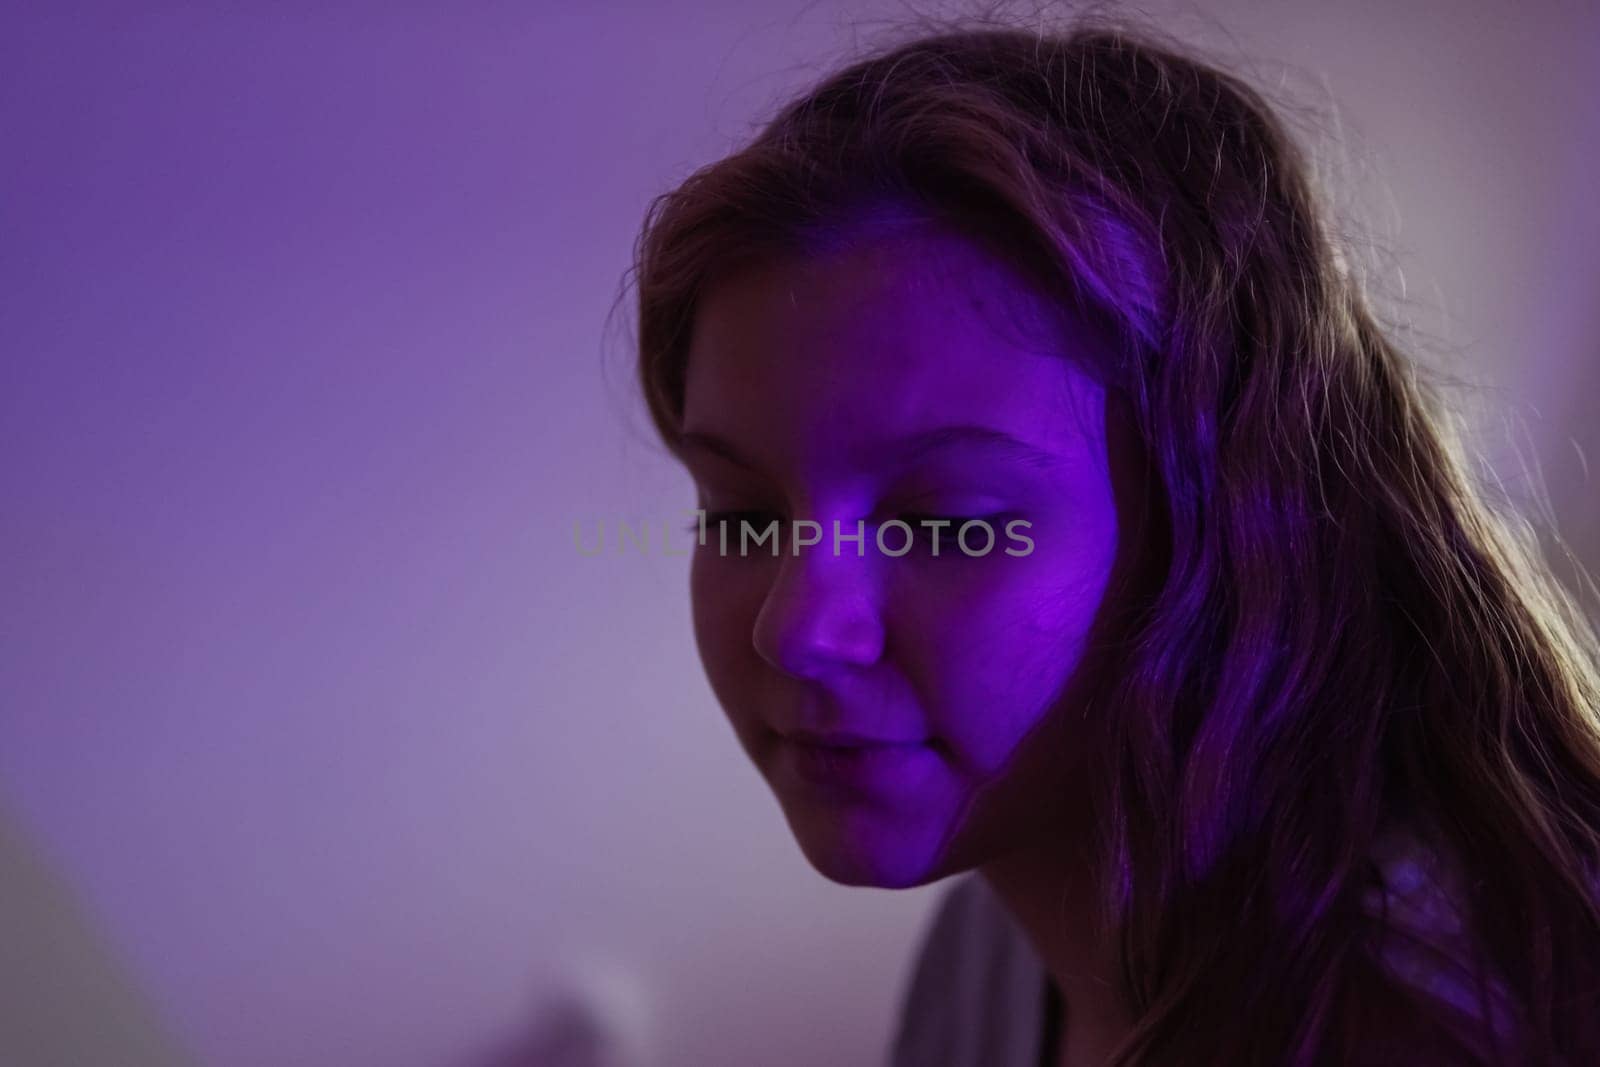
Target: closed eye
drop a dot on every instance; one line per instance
(730, 526)
(941, 529)
(758, 519)
(929, 531)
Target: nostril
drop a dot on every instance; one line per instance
(809, 638)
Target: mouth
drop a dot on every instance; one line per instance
(852, 763)
(847, 740)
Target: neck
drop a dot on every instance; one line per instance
(1051, 892)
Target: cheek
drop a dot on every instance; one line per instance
(989, 644)
(724, 602)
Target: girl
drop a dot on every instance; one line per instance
(1071, 522)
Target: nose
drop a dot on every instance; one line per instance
(821, 613)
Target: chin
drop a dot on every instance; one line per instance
(861, 850)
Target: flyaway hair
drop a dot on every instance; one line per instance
(1345, 636)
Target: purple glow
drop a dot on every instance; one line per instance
(318, 743)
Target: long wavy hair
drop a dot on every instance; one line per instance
(1341, 625)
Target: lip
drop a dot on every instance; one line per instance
(847, 739)
(857, 766)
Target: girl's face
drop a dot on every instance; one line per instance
(910, 712)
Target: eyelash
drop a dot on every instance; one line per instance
(920, 534)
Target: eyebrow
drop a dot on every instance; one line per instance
(907, 449)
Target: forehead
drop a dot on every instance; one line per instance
(820, 361)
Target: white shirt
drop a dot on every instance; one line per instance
(976, 995)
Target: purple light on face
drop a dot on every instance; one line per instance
(867, 772)
(903, 374)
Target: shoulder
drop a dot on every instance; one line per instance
(1426, 978)
(974, 992)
